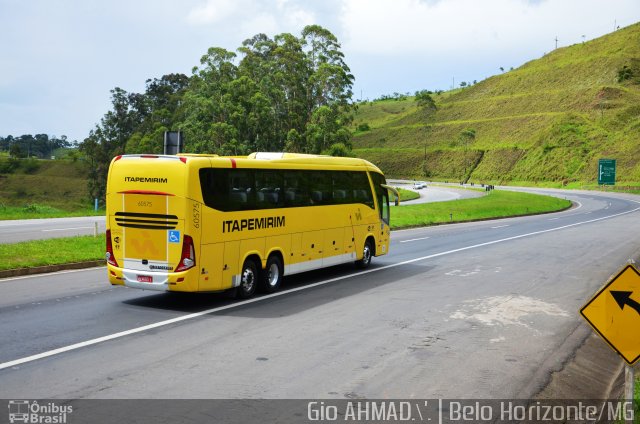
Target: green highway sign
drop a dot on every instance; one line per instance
(606, 171)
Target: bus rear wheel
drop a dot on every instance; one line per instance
(272, 275)
(367, 254)
(248, 279)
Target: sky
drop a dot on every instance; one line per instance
(60, 58)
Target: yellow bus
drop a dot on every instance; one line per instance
(207, 223)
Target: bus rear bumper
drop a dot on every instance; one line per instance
(147, 286)
(145, 280)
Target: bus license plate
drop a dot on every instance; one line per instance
(145, 279)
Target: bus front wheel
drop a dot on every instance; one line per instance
(248, 279)
(272, 275)
(367, 254)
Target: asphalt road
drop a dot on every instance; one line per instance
(437, 193)
(13, 231)
(477, 310)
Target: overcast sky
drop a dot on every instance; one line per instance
(60, 58)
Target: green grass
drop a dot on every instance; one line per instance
(33, 211)
(29, 254)
(407, 195)
(497, 204)
(59, 184)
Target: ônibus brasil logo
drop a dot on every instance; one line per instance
(26, 411)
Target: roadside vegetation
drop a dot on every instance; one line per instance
(34, 253)
(496, 204)
(406, 195)
(547, 121)
(39, 188)
(37, 211)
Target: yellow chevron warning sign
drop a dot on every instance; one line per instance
(614, 313)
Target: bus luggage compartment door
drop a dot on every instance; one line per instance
(151, 237)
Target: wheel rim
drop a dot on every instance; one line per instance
(274, 275)
(366, 254)
(248, 279)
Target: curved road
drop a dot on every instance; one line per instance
(478, 310)
(13, 231)
(436, 193)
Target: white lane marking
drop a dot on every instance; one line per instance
(500, 226)
(297, 289)
(415, 239)
(552, 219)
(48, 274)
(570, 210)
(65, 229)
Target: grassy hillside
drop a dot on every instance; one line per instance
(60, 184)
(549, 120)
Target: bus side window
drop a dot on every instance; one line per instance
(296, 188)
(321, 188)
(269, 193)
(213, 183)
(342, 187)
(362, 189)
(241, 190)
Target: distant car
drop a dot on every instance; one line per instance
(419, 184)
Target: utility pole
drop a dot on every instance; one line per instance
(425, 158)
(556, 41)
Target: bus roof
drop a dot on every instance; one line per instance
(268, 160)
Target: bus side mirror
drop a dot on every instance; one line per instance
(395, 192)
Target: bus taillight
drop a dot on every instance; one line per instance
(188, 257)
(111, 259)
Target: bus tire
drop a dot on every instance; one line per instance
(272, 275)
(249, 278)
(367, 254)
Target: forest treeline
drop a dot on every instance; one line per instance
(41, 146)
(286, 93)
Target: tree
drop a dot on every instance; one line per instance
(624, 73)
(108, 140)
(295, 143)
(154, 112)
(96, 150)
(15, 151)
(338, 149)
(6, 142)
(288, 92)
(425, 103)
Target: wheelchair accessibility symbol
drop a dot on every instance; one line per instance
(174, 236)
